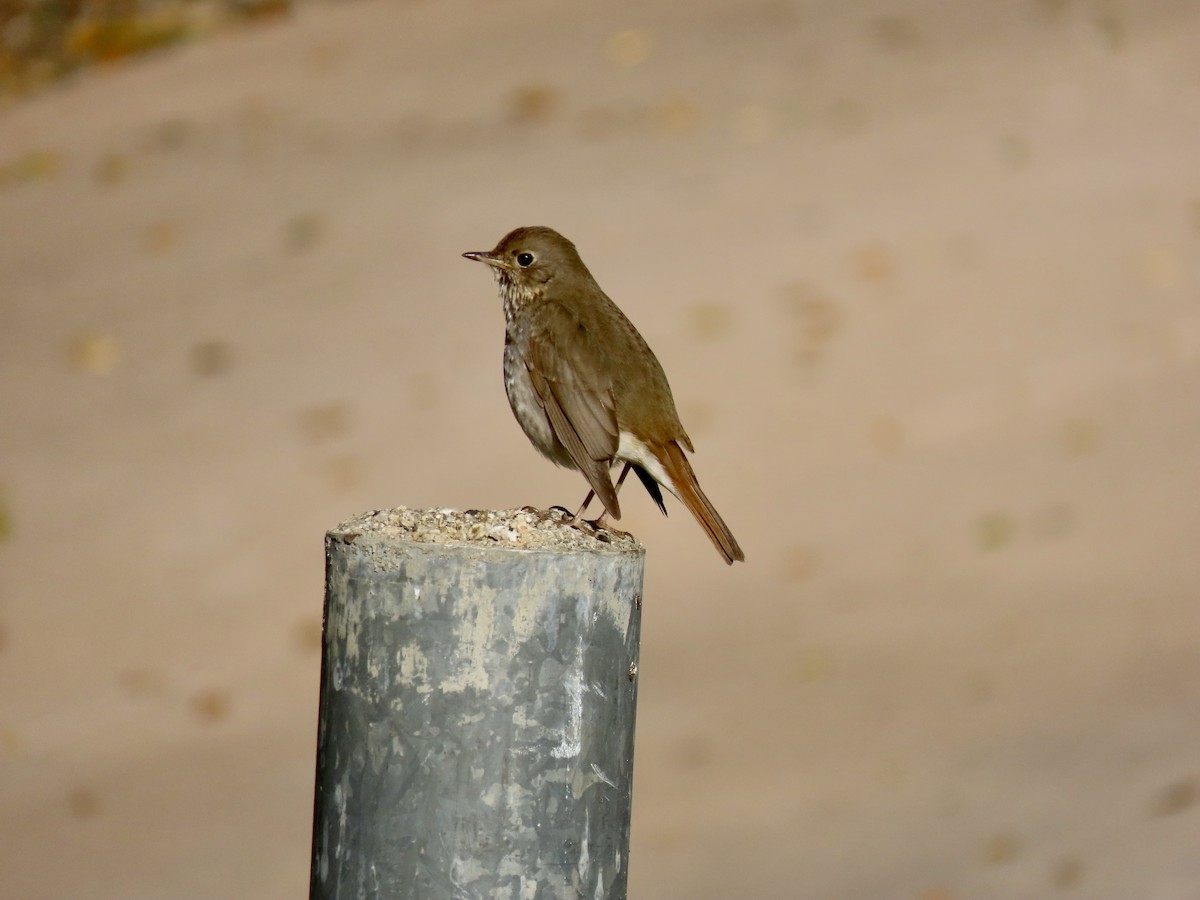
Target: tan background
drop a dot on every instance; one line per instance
(925, 279)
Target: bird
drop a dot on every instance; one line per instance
(583, 383)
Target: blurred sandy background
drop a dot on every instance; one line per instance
(924, 276)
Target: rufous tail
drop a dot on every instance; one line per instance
(687, 489)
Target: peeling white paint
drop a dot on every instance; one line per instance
(345, 620)
(521, 718)
(535, 616)
(512, 864)
(491, 797)
(573, 727)
(463, 871)
(584, 851)
(413, 665)
(516, 801)
(473, 630)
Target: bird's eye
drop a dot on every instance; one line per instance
(524, 260)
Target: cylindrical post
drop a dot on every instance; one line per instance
(478, 689)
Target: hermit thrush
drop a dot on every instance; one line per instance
(584, 385)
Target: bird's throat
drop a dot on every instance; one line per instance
(515, 295)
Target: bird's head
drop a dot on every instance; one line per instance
(529, 258)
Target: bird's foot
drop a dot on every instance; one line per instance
(604, 527)
(601, 528)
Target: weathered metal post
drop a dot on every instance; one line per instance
(478, 689)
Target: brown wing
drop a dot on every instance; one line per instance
(569, 377)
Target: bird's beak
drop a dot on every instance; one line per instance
(486, 257)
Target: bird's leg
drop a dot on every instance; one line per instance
(578, 517)
(602, 522)
(621, 480)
